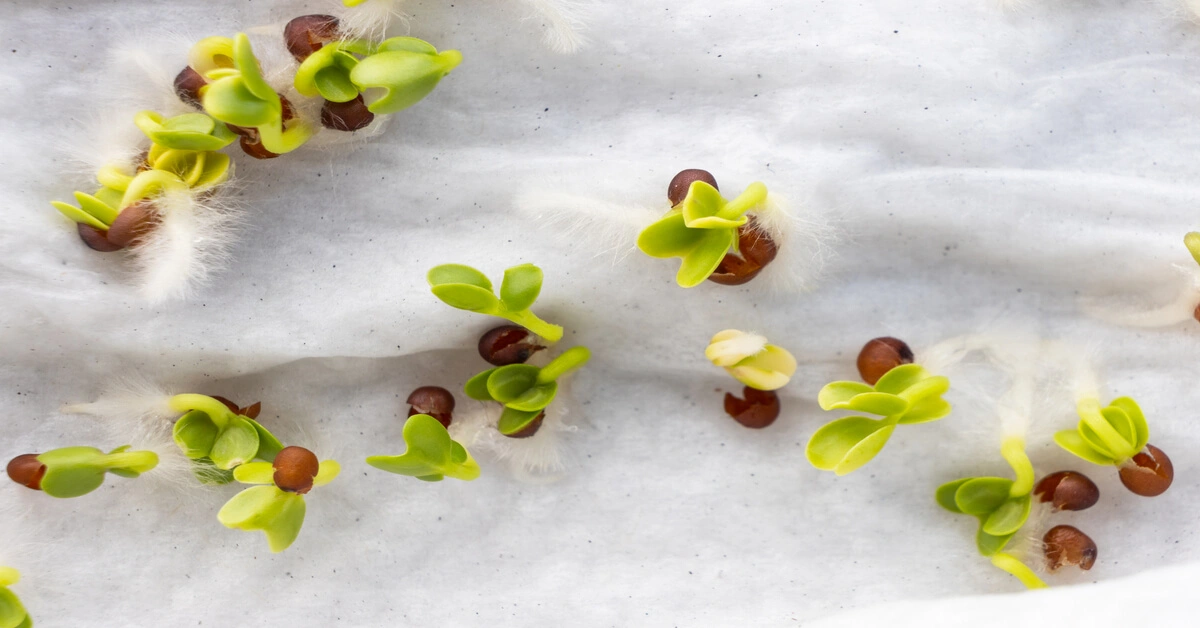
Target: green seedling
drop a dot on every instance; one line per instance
(1002, 507)
(431, 454)
(1107, 436)
(750, 360)
(76, 471)
(468, 289)
(523, 389)
(12, 612)
(194, 132)
(219, 439)
(277, 507)
(181, 158)
(1118, 435)
(405, 69)
(701, 230)
(905, 395)
(238, 94)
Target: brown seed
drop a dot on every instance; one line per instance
(1068, 490)
(346, 116)
(133, 224)
(251, 411)
(1148, 473)
(678, 189)
(508, 344)
(308, 33)
(295, 468)
(187, 86)
(251, 143)
(1196, 313)
(881, 355)
(759, 409)
(27, 471)
(244, 131)
(255, 149)
(757, 250)
(435, 401)
(96, 239)
(529, 430)
(1066, 545)
(233, 407)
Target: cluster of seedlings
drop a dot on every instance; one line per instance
(901, 391)
(163, 200)
(522, 391)
(222, 443)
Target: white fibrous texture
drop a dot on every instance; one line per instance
(190, 243)
(562, 21)
(369, 20)
(599, 226)
(805, 238)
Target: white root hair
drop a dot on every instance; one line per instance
(805, 239)
(603, 226)
(540, 458)
(369, 20)
(1181, 309)
(189, 244)
(137, 412)
(563, 22)
(1184, 10)
(137, 77)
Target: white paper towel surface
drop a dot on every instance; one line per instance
(987, 169)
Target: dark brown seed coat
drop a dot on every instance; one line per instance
(1149, 473)
(27, 471)
(1066, 545)
(758, 409)
(435, 401)
(1068, 490)
(295, 468)
(508, 344)
(678, 188)
(881, 355)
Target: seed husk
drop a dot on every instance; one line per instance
(133, 223)
(295, 468)
(508, 344)
(435, 401)
(346, 116)
(250, 141)
(757, 409)
(96, 239)
(1066, 545)
(756, 248)
(881, 355)
(1068, 490)
(679, 186)
(251, 411)
(306, 34)
(1149, 473)
(187, 86)
(27, 471)
(529, 430)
